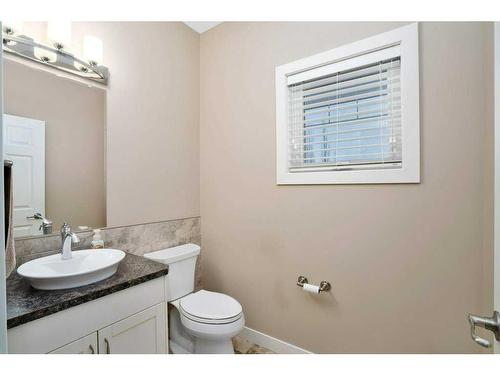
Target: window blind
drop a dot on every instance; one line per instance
(347, 119)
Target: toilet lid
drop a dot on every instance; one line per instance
(210, 305)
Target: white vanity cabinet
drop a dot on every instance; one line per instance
(141, 333)
(133, 320)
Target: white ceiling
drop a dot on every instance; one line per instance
(201, 27)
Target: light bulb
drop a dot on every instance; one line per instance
(12, 27)
(59, 34)
(80, 67)
(92, 50)
(45, 55)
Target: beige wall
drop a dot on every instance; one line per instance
(407, 262)
(152, 119)
(74, 116)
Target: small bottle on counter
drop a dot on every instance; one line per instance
(97, 241)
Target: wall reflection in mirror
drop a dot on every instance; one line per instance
(54, 134)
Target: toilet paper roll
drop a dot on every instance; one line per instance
(311, 288)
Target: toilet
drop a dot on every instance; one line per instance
(199, 322)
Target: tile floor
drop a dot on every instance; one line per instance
(242, 346)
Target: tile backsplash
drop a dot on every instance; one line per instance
(144, 238)
(135, 239)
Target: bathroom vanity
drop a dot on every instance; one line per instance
(126, 313)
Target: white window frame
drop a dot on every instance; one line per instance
(407, 39)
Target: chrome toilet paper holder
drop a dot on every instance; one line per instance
(324, 286)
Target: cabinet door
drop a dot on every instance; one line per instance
(142, 333)
(85, 345)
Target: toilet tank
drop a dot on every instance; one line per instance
(181, 262)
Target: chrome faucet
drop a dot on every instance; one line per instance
(46, 226)
(68, 237)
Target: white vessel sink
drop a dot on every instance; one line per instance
(85, 267)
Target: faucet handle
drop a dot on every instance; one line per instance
(36, 216)
(65, 228)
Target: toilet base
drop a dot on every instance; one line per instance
(202, 346)
(175, 348)
(182, 342)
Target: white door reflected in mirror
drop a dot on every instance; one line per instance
(24, 145)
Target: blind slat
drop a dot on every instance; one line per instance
(305, 136)
(355, 82)
(368, 95)
(382, 117)
(343, 93)
(349, 76)
(369, 157)
(395, 134)
(366, 102)
(340, 148)
(359, 115)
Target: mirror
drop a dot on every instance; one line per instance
(54, 133)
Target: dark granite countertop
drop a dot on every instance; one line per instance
(25, 303)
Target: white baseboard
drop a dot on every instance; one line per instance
(272, 343)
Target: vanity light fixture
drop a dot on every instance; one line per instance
(57, 55)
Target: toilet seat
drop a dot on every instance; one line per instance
(210, 308)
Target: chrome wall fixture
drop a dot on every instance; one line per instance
(323, 286)
(56, 57)
(489, 323)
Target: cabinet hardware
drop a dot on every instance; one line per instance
(108, 350)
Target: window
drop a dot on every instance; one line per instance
(351, 115)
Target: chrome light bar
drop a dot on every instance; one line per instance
(28, 48)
